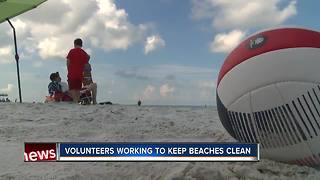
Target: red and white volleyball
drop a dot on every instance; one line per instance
(269, 92)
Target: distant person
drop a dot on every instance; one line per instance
(76, 60)
(139, 103)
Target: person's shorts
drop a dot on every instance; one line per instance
(75, 84)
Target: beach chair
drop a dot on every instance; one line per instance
(85, 94)
(85, 97)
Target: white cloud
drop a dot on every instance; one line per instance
(239, 16)
(207, 84)
(152, 43)
(148, 92)
(225, 42)
(50, 29)
(20, 26)
(243, 13)
(6, 55)
(183, 85)
(207, 89)
(51, 47)
(165, 90)
(110, 29)
(7, 89)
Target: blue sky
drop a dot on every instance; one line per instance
(161, 51)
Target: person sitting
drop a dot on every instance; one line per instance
(54, 86)
(88, 84)
(56, 90)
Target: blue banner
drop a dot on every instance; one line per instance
(158, 151)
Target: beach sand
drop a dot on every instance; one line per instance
(66, 123)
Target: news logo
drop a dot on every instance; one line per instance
(36, 152)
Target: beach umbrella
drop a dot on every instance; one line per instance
(10, 9)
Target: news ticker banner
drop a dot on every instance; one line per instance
(141, 152)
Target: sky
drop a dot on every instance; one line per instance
(164, 52)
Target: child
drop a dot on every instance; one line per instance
(54, 86)
(55, 89)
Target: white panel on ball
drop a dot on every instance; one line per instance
(265, 98)
(242, 104)
(296, 64)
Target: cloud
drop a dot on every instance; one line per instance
(148, 92)
(109, 28)
(6, 55)
(7, 89)
(225, 42)
(152, 43)
(179, 82)
(165, 90)
(244, 14)
(153, 93)
(207, 84)
(50, 29)
(207, 88)
(51, 47)
(237, 17)
(185, 84)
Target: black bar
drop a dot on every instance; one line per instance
(17, 58)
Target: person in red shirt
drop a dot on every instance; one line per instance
(76, 60)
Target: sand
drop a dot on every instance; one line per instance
(65, 122)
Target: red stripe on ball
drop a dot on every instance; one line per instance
(275, 39)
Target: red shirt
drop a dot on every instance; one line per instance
(77, 59)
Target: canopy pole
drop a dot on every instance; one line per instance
(16, 57)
